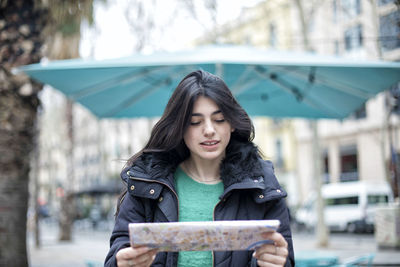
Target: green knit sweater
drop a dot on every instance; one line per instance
(196, 203)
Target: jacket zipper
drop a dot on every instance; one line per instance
(154, 181)
(212, 253)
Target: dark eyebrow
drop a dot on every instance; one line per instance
(214, 113)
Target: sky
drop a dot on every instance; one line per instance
(175, 28)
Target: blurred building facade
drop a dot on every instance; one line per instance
(356, 148)
(100, 150)
(360, 147)
(277, 140)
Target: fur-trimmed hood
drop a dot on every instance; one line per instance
(242, 162)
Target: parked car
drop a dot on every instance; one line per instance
(349, 206)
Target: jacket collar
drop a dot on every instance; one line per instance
(241, 164)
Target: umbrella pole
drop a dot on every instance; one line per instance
(321, 231)
(219, 70)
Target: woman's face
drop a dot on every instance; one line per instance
(208, 133)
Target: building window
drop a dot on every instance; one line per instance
(360, 113)
(334, 10)
(349, 165)
(353, 38)
(389, 30)
(272, 35)
(311, 24)
(277, 123)
(384, 2)
(325, 163)
(247, 39)
(394, 164)
(394, 103)
(337, 48)
(350, 8)
(279, 155)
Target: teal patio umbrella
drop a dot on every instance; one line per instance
(266, 83)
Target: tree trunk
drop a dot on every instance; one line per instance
(21, 24)
(67, 212)
(16, 116)
(304, 25)
(35, 165)
(65, 47)
(322, 231)
(321, 228)
(66, 217)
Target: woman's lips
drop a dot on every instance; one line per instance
(210, 145)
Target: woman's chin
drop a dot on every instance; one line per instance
(211, 156)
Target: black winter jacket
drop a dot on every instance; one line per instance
(251, 192)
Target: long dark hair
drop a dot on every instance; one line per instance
(167, 133)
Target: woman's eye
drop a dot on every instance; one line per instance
(194, 123)
(220, 120)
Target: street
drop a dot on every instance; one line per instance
(90, 245)
(346, 246)
(87, 246)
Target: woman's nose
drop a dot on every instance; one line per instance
(209, 129)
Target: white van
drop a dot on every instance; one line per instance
(349, 206)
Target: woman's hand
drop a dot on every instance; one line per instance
(137, 256)
(274, 254)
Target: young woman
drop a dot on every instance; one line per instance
(200, 164)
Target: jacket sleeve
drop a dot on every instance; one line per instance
(282, 214)
(131, 210)
(277, 209)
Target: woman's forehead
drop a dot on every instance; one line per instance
(205, 105)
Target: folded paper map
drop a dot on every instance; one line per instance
(209, 235)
